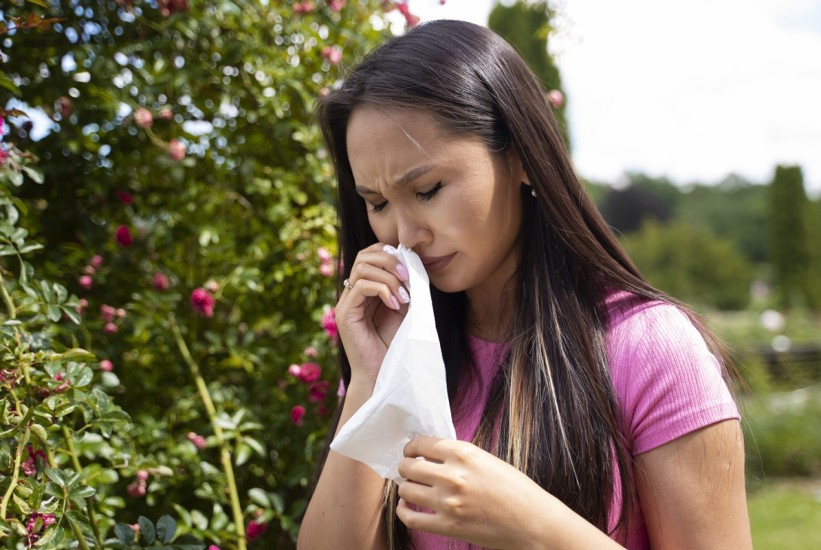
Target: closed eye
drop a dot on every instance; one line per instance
(377, 208)
(428, 195)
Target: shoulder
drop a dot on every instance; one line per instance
(667, 381)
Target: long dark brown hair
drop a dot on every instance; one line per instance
(552, 411)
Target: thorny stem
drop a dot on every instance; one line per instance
(225, 453)
(15, 475)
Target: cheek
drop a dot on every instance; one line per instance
(384, 229)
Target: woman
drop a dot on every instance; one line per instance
(590, 410)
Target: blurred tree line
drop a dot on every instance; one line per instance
(708, 243)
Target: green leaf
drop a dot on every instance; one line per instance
(125, 534)
(82, 492)
(57, 476)
(53, 313)
(33, 173)
(260, 497)
(41, 3)
(39, 433)
(243, 454)
(166, 528)
(64, 409)
(83, 377)
(48, 536)
(8, 84)
(147, 530)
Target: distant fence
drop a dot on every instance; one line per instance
(801, 363)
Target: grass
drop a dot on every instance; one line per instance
(786, 515)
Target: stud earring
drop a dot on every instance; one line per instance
(533, 192)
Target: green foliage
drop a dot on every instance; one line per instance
(187, 202)
(734, 209)
(785, 516)
(781, 433)
(691, 264)
(527, 26)
(643, 198)
(789, 243)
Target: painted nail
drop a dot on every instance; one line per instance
(389, 249)
(403, 294)
(402, 272)
(395, 302)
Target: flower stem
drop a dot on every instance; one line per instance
(15, 473)
(225, 452)
(92, 512)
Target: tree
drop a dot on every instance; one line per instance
(789, 247)
(188, 204)
(691, 264)
(526, 25)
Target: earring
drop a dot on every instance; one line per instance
(533, 192)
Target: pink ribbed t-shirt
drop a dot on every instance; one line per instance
(666, 381)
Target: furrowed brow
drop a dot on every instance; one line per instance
(412, 175)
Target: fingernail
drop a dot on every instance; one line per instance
(402, 272)
(403, 294)
(389, 249)
(395, 302)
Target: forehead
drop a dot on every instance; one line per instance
(384, 143)
(373, 126)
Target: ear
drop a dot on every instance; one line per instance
(517, 170)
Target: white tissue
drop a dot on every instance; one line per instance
(410, 397)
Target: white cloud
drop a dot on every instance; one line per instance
(691, 89)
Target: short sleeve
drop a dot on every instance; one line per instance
(666, 380)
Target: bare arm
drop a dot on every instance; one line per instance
(346, 508)
(692, 490)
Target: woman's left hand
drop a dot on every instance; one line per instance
(470, 494)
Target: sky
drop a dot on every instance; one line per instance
(693, 90)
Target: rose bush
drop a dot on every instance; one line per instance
(184, 205)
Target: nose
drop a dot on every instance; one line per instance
(412, 231)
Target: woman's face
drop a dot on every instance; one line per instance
(446, 196)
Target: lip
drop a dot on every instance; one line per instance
(436, 263)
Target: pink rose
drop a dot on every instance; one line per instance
(123, 236)
(332, 54)
(143, 118)
(326, 270)
(160, 281)
(301, 8)
(166, 114)
(202, 302)
(255, 529)
(336, 5)
(307, 372)
(556, 98)
(198, 440)
(125, 197)
(136, 489)
(310, 351)
(176, 150)
(329, 323)
(106, 365)
(97, 261)
(107, 312)
(86, 281)
(318, 391)
(3, 155)
(81, 307)
(323, 253)
(110, 328)
(297, 413)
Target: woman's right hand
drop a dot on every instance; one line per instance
(369, 313)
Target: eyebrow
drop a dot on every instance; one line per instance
(413, 174)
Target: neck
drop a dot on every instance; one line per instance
(490, 314)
